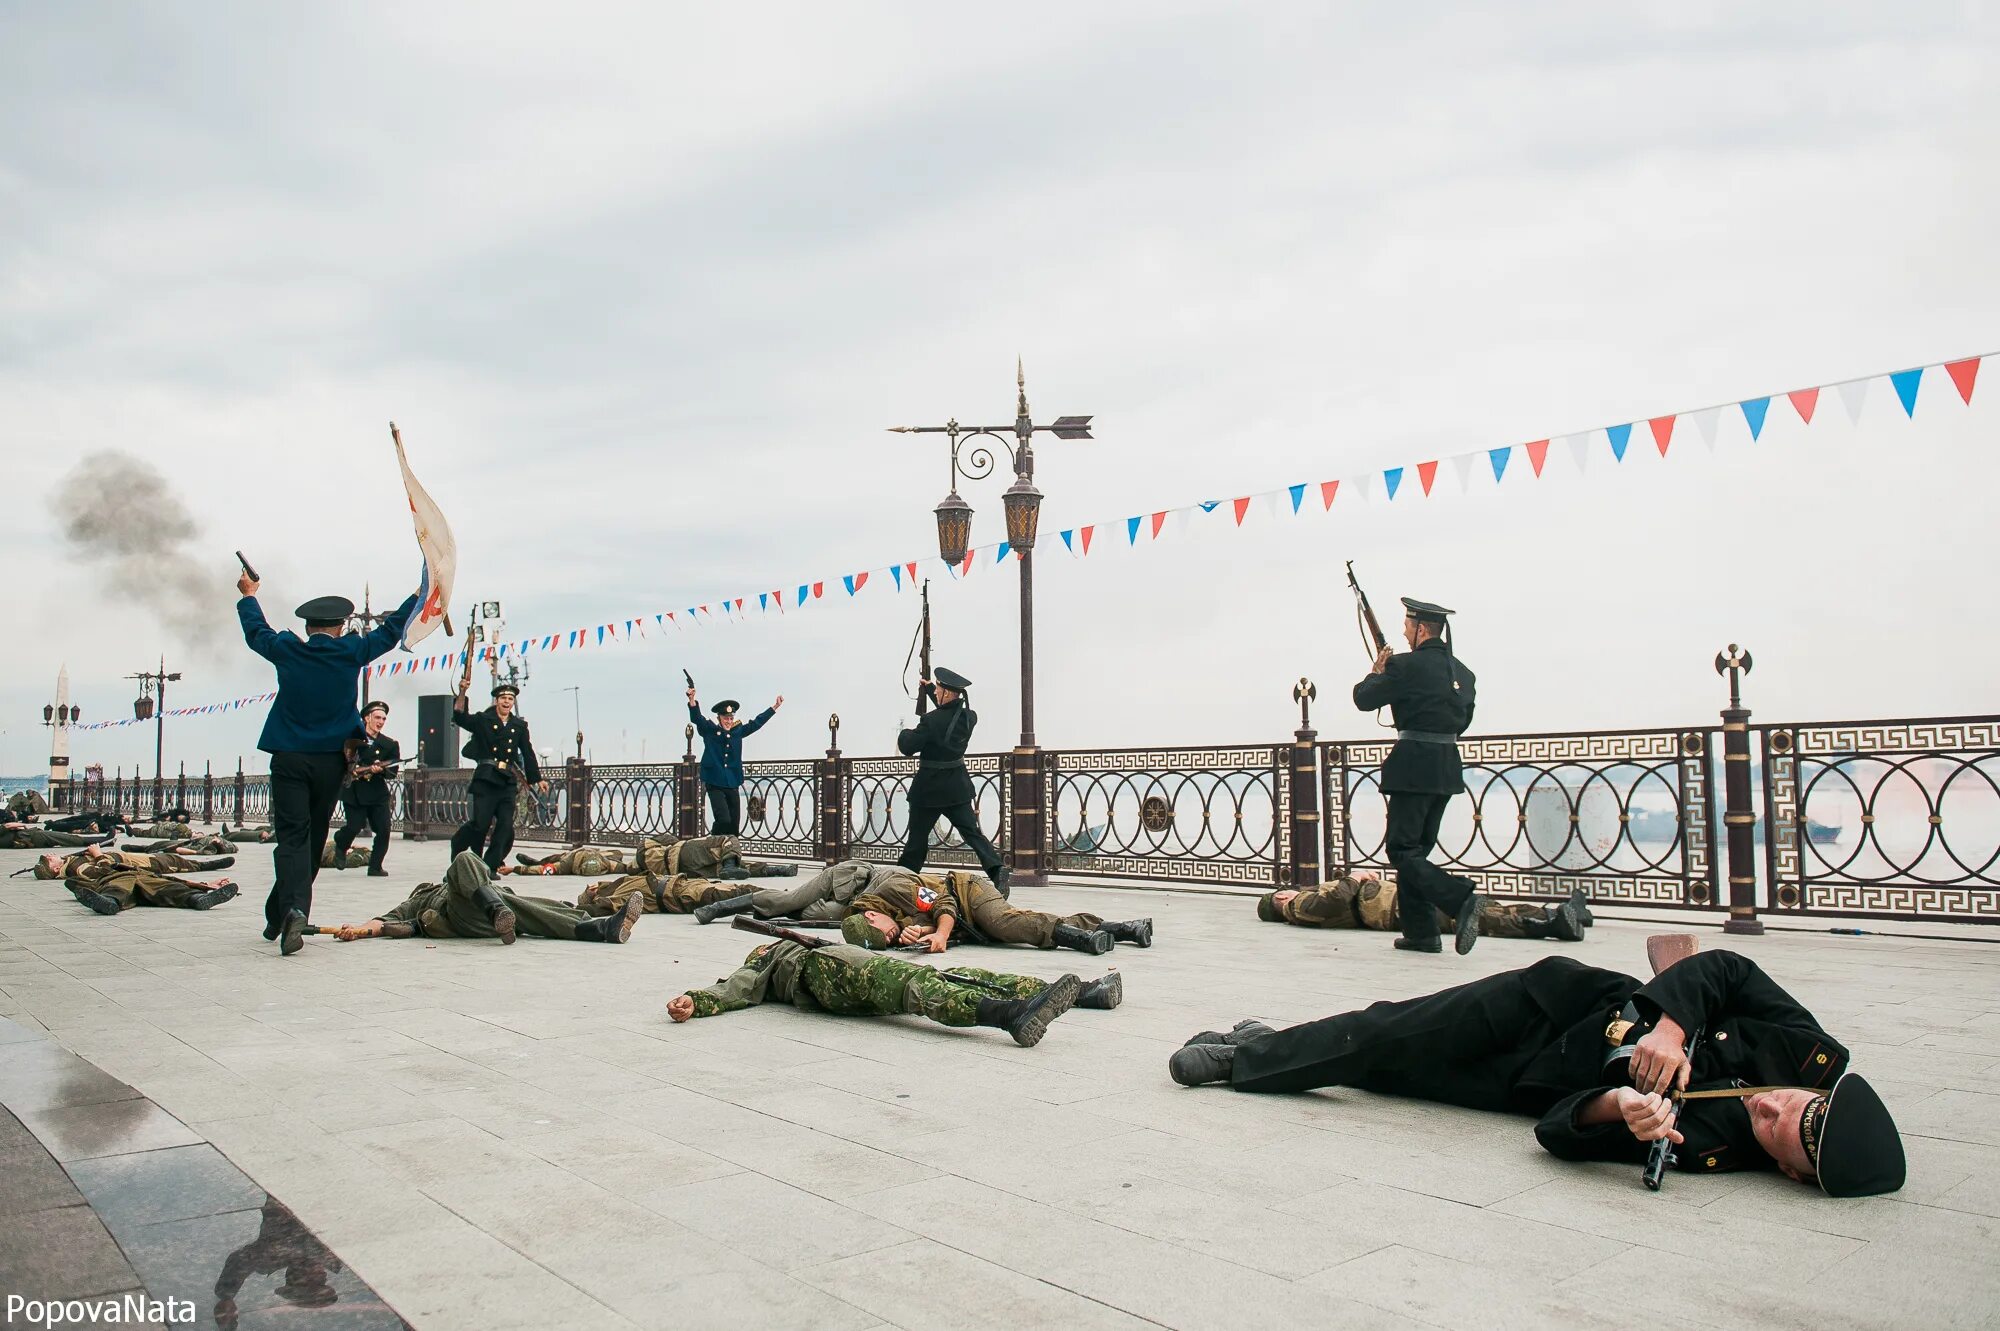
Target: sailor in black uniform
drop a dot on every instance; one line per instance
(499, 744)
(942, 788)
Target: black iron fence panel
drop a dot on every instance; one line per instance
(1893, 819)
(781, 808)
(1627, 816)
(632, 801)
(1217, 814)
(878, 809)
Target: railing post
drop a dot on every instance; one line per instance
(1303, 775)
(416, 805)
(207, 791)
(687, 791)
(181, 787)
(1738, 815)
(1027, 814)
(578, 772)
(240, 820)
(832, 823)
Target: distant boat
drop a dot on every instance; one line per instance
(1085, 842)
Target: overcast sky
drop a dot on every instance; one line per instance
(643, 285)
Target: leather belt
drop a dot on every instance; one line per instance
(940, 764)
(1427, 736)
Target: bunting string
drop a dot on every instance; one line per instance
(1526, 463)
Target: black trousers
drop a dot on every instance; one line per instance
(490, 830)
(1414, 820)
(725, 810)
(304, 789)
(924, 818)
(371, 818)
(1464, 1046)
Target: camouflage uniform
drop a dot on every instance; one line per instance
(675, 895)
(854, 982)
(356, 857)
(456, 913)
(586, 860)
(704, 857)
(1349, 904)
(162, 831)
(41, 838)
(131, 887)
(914, 898)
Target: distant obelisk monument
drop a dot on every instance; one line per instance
(59, 736)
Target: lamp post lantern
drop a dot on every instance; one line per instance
(1022, 503)
(148, 707)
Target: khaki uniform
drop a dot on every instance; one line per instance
(250, 835)
(825, 895)
(41, 838)
(356, 857)
(90, 869)
(162, 832)
(678, 894)
(131, 887)
(924, 899)
(458, 913)
(854, 982)
(586, 860)
(200, 845)
(1348, 904)
(704, 857)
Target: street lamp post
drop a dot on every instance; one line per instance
(364, 622)
(146, 707)
(1022, 502)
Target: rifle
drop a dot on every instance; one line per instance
(1364, 614)
(920, 648)
(465, 675)
(1661, 1154)
(750, 924)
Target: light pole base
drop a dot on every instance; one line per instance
(1748, 927)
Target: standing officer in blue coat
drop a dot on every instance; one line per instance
(722, 759)
(1429, 692)
(319, 682)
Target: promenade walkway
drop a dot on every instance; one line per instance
(491, 1138)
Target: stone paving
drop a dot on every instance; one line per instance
(496, 1137)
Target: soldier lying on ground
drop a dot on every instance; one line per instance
(93, 822)
(356, 857)
(20, 836)
(658, 894)
(706, 857)
(1537, 1042)
(1364, 901)
(467, 905)
(853, 982)
(936, 908)
(194, 845)
(95, 861)
(249, 835)
(161, 831)
(587, 860)
(824, 896)
(115, 887)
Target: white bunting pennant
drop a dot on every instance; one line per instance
(1852, 393)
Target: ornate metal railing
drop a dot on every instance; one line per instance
(1895, 819)
(1883, 818)
(1629, 816)
(1214, 814)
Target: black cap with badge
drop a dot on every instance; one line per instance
(512, 690)
(325, 612)
(1852, 1141)
(951, 679)
(727, 707)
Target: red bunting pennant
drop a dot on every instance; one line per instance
(1159, 521)
(818, 588)
(1663, 432)
(911, 569)
(860, 581)
(1536, 452)
(1242, 506)
(1327, 489)
(966, 567)
(1427, 472)
(1803, 402)
(1086, 538)
(1962, 373)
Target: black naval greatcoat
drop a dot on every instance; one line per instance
(1416, 688)
(374, 789)
(1535, 1042)
(938, 741)
(501, 749)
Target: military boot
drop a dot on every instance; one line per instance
(215, 896)
(715, 910)
(732, 873)
(206, 866)
(97, 901)
(1094, 941)
(781, 871)
(613, 928)
(292, 936)
(497, 914)
(1583, 915)
(1557, 922)
(1107, 991)
(1248, 1029)
(1027, 1019)
(1199, 1064)
(1139, 932)
(1468, 916)
(1000, 873)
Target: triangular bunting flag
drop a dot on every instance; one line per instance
(1242, 507)
(1538, 451)
(1392, 480)
(860, 581)
(1069, 541)
(1159, 521)
(1619, 435)
(803, 592)
(963, 568)
(1754, 411)
(1463, 464)
(849, 580)
(896, 572)
(763, 600)
(1362, 487)
(1086, 537)
(1962, 373)
(1000, 552)
(819, 589)
(1663, 432)
(1498, 457)
(911, 569)
(1298, 493)
(1327, 490)
(1426, 473)
(1705, 422)
(1852, 394)
(1579, 448)
(1907, 383)
(1132, 530)
(1804, 401)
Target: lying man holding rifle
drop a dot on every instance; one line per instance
(1607, 1065)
